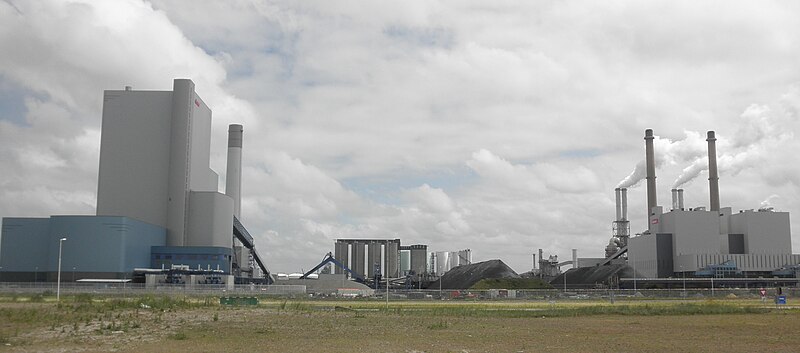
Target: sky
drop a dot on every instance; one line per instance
(502, 127)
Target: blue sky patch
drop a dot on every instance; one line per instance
(12, 102)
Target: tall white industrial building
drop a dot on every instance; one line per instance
(154, 165)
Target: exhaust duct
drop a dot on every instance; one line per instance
(624, 206)
(680, 199)
(618, 194)
(675, 199)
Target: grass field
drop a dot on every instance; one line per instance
(200, 324)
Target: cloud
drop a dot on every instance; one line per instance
(407, 99)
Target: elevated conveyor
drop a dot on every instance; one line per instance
(329, 258)
(616, 255)
(241, 233)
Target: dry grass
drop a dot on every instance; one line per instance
(316, 326)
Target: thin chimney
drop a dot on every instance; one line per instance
(652, 201)
(713, 177)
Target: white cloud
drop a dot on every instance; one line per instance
(528, 114)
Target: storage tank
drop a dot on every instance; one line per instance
(419, 254)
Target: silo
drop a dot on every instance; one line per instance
(358, 258)
(391, 255)
(340, 253)
(419, 254)
(441, 262)
(373, 258)
(405, 262)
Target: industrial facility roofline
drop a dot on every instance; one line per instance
(369, 240)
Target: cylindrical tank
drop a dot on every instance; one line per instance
(419, 255)
(392, 253)
(341, 250)
(358, 259)
(373, 258)
(442, 259)
(405, 262)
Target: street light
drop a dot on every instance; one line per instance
(58, 285)
(386, 272)
(684, 282)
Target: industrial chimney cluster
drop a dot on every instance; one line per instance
(690, 240)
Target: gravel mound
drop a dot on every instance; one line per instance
(464, 277)
(590, 277)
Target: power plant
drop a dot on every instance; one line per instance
(161, 219)
(687, 241)
(158, 209)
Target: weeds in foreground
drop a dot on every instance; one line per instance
(441, 325)
(180, 336)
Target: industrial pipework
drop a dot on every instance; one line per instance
(713, 177)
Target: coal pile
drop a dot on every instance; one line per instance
(464, 277)
(592, 277)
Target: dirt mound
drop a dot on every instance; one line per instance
(464, 277)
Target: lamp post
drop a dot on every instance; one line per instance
(386, 273)
(58, 285)
(684, 282)
(634, 275)
(35, 275)
(73, 274)
(712, 283)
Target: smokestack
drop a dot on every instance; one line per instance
(624, 192)
(713, 177)
(618, 194)
(651, 172)
(680, 199)
(541, 257)
(574, 258)
(233, 179)
(675, 199)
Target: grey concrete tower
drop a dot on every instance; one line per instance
(651, 171)
(713, 177)
(233, 175)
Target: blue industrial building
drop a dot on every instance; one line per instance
(96, 246)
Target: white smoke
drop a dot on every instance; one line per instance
(635, 177)
(691, 172)
(767, 204)
(666, 151)
(756, 133)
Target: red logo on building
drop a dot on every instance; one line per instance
(196, 102)
(654, 221)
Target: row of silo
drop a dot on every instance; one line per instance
(369, 257)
